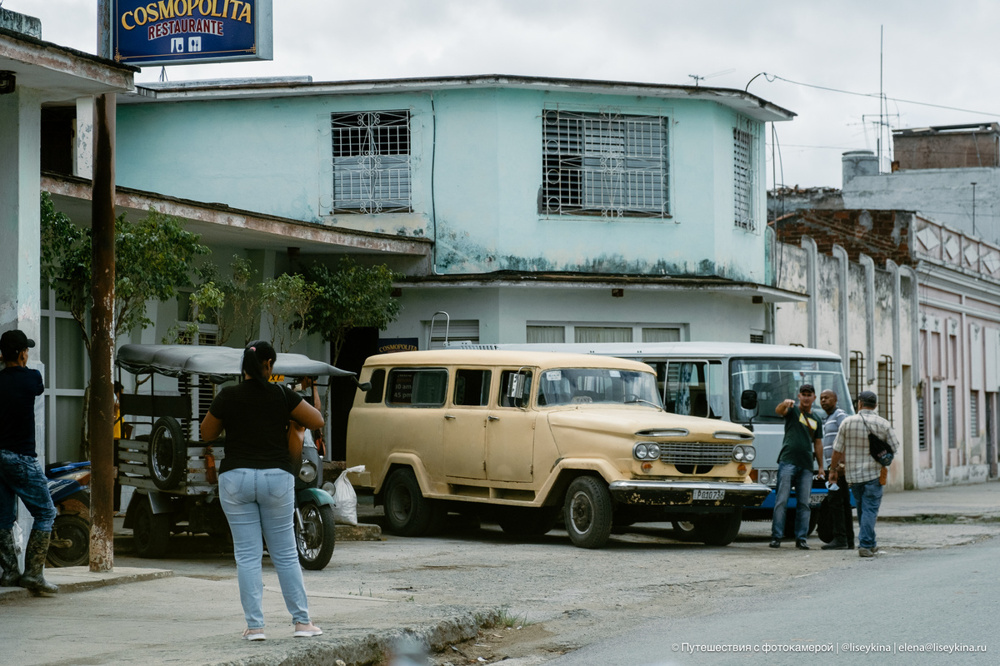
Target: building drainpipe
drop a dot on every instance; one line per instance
(812, 279)
(869, 267)
(842, 310)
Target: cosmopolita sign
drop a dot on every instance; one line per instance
(184, 32)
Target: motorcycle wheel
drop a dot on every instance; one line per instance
(316, 537)
(150, 531)
(70, 545)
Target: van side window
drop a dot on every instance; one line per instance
(687, 388)
(506, 401)
(378, 386)
(472, 387)
(418, 387)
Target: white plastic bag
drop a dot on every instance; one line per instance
(345, 510)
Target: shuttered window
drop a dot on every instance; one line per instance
(371, 162)
(604, 164)
(744, 177)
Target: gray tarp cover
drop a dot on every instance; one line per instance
(218, 363)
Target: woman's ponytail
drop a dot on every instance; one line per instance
(254, 358)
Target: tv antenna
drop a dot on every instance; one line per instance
(698, 79)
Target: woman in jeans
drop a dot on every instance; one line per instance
(257, 484)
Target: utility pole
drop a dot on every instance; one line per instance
(973, 209)
(102, 345)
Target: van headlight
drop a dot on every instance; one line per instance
(646, 451)
(767, 477)
(742, 453)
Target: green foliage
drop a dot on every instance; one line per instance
(287, 299)
(351, 296)
(152, 259)
(230, 301)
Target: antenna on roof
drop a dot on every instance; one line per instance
(708, 76)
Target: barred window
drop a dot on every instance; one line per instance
(744, 178)
(371, 162)
(604, 164)
(974, 414)
(886, 379)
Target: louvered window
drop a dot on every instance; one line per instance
(371, 162)
(745, 176)
(604, 164)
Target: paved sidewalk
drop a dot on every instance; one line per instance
(140, 615)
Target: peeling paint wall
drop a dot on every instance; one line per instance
(476, 168)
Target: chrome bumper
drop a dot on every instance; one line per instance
(681, 493)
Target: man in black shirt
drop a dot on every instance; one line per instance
(20, 474)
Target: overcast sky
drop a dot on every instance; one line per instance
(934, 52)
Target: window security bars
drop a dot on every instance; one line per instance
(885, 382)
(371, 162)
(604, 164)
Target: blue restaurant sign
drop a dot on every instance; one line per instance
(185, 32)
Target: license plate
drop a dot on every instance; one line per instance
(709, 494)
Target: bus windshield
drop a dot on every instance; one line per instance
(777, 379)
(568, 386)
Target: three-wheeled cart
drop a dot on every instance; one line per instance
(174, 474)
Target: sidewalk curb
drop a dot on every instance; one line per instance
(373, 648)
(81, 579)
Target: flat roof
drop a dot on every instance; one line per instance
(740, 100)
(509, 358)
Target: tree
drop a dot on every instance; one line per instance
(287, 300)
(349, 297)
(152, 259)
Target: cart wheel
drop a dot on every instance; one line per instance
(167, 454)
(150, 531)
(70, 545)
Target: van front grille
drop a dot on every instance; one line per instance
(695, 453)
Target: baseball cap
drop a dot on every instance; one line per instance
(13, 341)
(868, 398)
(807, 388)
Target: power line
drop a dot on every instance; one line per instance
(771, 78)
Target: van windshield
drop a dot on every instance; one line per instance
(777, 379)
(575, 386)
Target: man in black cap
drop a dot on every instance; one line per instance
(20, 474)
(852, 459)
(802, 443)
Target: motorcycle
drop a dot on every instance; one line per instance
(69, 486)
(315, 531)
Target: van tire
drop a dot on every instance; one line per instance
(407, 511)
(587, 512)
(720, 529)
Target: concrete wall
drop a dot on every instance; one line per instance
(476, 161)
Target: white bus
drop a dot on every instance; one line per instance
(709, 379)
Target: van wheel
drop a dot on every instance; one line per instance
(407, 511)
(587, 512)
(719, 530)
(520, 521)
(684, 530)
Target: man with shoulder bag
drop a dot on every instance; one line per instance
(862, 453)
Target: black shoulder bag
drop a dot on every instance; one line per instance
(878, 447)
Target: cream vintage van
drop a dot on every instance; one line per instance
(527, 437)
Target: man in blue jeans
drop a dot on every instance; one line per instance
(802, 444)
(852, 458)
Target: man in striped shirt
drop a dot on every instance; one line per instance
(852, 459)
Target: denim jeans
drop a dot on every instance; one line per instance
(22, 476)
(801, 478)
(261, 502)
(868, 497)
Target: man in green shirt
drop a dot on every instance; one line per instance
(803, 443)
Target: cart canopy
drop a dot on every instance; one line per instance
(219, 364)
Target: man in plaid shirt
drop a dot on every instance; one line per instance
(852, 458)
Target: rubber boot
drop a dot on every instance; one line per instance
(34, 564)
(8, 560)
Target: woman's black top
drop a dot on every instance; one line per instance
(255, 417)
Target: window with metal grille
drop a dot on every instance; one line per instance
(604, 164)
(460, 330)
(744, 177)
(757, 338)
(952, 434)
(855, 381)
(974, 414)
(371, 162)
(885, 380)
